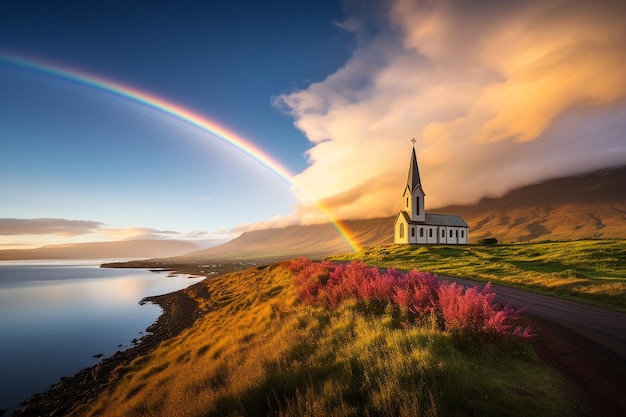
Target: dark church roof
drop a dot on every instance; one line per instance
(445, 220)
(432, 219)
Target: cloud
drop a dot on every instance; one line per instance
(498, 94)
(36, 232)
(132, 233)
(46, 226)
(203, 239)
(206, 239)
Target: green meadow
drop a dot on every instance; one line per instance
(257, 350)
(590, 271)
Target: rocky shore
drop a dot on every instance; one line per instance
(179, 312)
(596, 377)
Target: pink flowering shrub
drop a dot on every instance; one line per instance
(417, 292)
(309, 278)
(468, 314)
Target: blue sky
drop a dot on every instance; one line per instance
(498, 94)
(71, 152)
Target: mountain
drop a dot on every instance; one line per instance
(145, 248)
(591, 205)
(313, 241)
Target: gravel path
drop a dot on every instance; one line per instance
(604, 327)
(586, 344)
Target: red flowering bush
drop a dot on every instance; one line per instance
(417, 292)
(310, 279)
(469, 314)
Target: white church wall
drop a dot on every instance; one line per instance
(452, 235)
(420, 235)
(401, 231)
(406, 233)
(417, 207)
(431, 234)
(463, 232)
(442, 234)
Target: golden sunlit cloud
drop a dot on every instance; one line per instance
(498, 94)
(128, 233)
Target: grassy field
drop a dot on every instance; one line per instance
(591, 271)
(257, 350)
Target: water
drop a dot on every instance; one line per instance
(56, 315)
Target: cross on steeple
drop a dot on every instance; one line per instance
(413, 140)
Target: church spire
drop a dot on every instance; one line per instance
(413, 180)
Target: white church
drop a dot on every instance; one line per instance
(414, 226)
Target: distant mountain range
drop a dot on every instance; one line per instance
(146, 248)
(591, 205)
(312, 241)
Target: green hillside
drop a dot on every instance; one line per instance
(592, 271)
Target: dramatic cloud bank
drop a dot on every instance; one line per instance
(498, 94)
(61, 227)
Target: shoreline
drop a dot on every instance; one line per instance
(593, 375)
(179, 313)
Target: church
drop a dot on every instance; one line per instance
(414, 226)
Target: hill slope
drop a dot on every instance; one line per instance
(312, 241)
(253, 348)
(145, 248)
(592, 205)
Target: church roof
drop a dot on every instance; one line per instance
(445, 220)
(433, 219)
(414, 174)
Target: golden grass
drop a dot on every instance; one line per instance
(257, 351)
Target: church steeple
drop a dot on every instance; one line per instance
(413, 193)
(413, 181)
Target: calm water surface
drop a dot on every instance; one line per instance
(55, 315)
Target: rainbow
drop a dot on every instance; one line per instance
(180, 113)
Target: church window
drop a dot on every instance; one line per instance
(462, 233)
(443, 232)
(450, 232)
(430, 232)
(412, 231)
(417, 205)
(401, 230)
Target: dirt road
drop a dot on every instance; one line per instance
(604, 327)
(586, 344)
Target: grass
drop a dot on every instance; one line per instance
(590, 271)
(257, 350)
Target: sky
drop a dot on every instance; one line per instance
(498, 94)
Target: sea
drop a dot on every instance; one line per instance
(58, 317)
